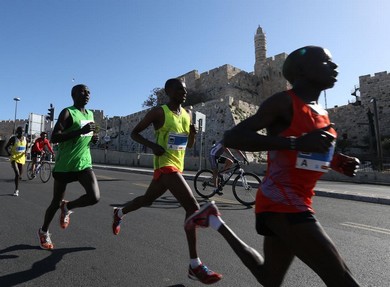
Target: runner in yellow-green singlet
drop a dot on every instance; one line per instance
(174, 133)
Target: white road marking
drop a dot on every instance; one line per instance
(366, 227)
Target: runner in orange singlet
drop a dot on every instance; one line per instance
(301, 141)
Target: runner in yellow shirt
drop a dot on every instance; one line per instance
(16, 149)
(174, 133)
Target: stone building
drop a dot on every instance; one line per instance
(355, 122)
(227, 95)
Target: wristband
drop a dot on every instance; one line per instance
(293, 145)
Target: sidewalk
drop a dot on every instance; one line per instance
(373, 193)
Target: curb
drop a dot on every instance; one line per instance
(353, 196)
(323, 193)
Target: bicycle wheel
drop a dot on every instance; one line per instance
(203, 183)
(45, 172)
(30, 174)
(245, 188)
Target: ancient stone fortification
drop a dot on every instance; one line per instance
(227, 95)
(355, 122)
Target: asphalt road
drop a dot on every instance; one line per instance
(151, 249)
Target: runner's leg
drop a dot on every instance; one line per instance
(154, 191)
(16, 170)
(58, 196)
(309, 242)
(88, 180)
(179, 188)
(249, 256)
(278, 258)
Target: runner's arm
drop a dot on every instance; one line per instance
(11, 142)
(155, 117)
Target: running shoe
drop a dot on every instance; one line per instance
(201, 217)
(218, 191)
(203, 274)
(44, 240)
(16, 192)
(65, 215)
(116, 224)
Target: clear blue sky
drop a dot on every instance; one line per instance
(123, 49)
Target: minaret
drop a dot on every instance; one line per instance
(260, 51)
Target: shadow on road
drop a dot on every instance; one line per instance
(170, 202)
(167, 202)
(39, 268)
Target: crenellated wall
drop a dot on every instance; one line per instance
(227, 95)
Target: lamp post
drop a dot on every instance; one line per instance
(377, 135)
(106, 140)
(16, 109)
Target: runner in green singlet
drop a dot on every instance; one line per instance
(74, 133)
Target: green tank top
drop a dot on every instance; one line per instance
(173, 137)
(74, 154)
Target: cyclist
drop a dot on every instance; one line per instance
(37, 150)
(216, 156)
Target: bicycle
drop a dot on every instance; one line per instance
(42, 167)
(244, 185)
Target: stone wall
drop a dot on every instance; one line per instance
(220, 82)
(353, 120)
(221, 115)
(6, 131)
(378, 87)
(271, 79)
(7, 127)
(227, 95)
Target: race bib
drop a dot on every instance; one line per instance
(83, 123)
(20, 148)
(315, 161)
(177, 141)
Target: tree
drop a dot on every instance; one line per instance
(154, 98)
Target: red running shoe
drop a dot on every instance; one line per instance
(204, 275)
(65, 215)
(201, 217)
(44, 240)
(116, 224)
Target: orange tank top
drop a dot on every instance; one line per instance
(288, 185)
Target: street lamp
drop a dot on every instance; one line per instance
(16, 108)
(106, 140)
(378, 135)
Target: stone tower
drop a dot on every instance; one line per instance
(268, 71)
(260, 52)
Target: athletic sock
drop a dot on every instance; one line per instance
(120, 212)
(195, 262)
(66, 207)
(41, 230)
(215, 222)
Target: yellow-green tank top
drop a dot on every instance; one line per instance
(18, 150)
(173, 137)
